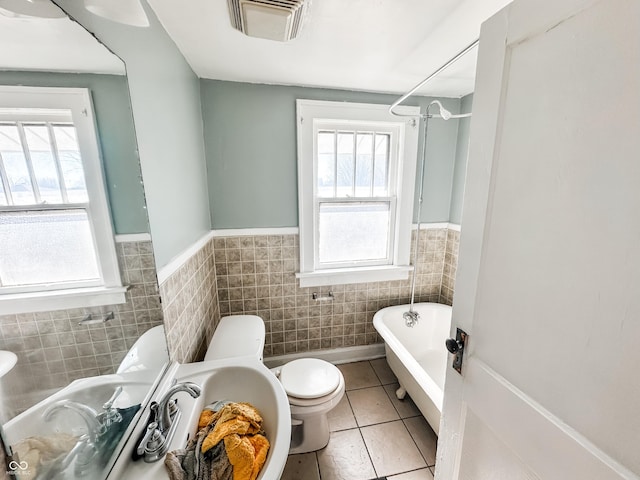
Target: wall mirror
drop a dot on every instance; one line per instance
(51, 355)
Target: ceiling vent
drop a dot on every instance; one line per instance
(271, 19)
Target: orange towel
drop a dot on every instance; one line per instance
(247, 454)
(240, 426)
(205, 418)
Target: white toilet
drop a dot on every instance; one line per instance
(313, 386)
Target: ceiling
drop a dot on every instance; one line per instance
(52, 44)
(369, 45)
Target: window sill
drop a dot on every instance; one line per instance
(353, 275)
(61, 299)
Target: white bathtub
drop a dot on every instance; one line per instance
(417, 355)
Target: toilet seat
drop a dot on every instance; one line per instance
(310, 379)
(322, 402)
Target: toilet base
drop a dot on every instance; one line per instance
(309, 433)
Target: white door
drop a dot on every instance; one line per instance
(548, 284)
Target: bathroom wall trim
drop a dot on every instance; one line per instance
(435, 226)
(334, 355)
(133, 237)
(238, 232)
(176, 262)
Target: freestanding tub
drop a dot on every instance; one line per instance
(417, 355)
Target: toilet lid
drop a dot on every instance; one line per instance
(309, 378)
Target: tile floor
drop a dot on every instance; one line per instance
(373, 434)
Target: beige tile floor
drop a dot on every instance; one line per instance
(373, 434)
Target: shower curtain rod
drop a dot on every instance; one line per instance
(413, 90)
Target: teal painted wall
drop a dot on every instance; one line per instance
(117, 137)
(250, 141)
(165, 98)
(460, 168)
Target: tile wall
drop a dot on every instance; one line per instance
(256, 275)
(450, 266)
(54, 350)
(229, 275)
(190, 305)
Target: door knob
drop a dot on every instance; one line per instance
(453, 345)
(456, 347)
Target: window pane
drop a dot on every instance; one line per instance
(326, 164)
(381, 169)
(55, 247)
(71, 163)
(15, 166)
(44, 164)
(345, 164)
(364, 164)
(353, 232)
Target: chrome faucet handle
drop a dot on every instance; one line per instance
(152, 440)
(410, 318)
(110, 415)
(109, 403)
(85, 457)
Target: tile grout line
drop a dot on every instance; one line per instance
(353, 413)
(368, 453)
(416, 443)
(401, 418)
(315, 454)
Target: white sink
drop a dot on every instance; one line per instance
(239, 379)
(7, 361)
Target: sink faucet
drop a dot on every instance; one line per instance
(88, 414)
(85, 449)
(163, 422)
(167, 406)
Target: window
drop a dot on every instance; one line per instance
(56, 241)
(356, 176)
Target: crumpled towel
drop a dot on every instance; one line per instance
(232, 419)
(40, 453)
(192, 464)
(247, 454)
(240, 426)
(233, 435)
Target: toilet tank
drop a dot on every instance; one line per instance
(148, 353)
(237, 336)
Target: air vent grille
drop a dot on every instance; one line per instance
(271, 19)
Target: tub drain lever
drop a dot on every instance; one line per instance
(456, 347)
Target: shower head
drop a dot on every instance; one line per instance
(444, 113)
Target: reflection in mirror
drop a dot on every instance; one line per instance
(59, 368)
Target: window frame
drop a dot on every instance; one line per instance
(313, 116)
(110, 289)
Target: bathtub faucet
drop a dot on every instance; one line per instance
(410, 318)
